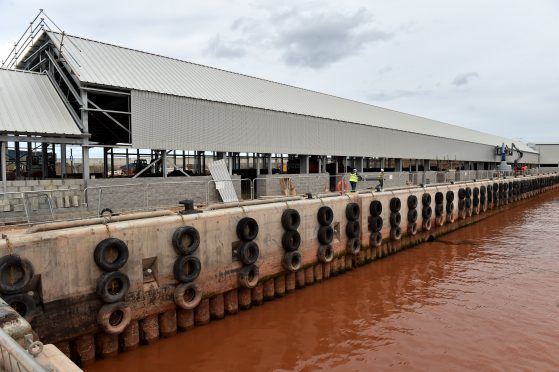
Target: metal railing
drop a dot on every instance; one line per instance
(13, 357)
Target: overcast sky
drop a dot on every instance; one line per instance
(486, 65)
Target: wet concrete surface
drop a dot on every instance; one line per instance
(485, 297)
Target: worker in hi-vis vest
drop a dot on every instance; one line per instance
(380, 180)
(353, 178)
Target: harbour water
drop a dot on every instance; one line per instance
(485, 297)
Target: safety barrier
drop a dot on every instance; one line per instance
(13, 357)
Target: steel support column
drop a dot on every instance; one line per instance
(3, 170)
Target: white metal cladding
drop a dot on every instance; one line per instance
(29, 104)
(104, 64)
(549, 153)
(168, 122)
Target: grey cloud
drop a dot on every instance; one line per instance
(464, 79)
(396, 94)
(222, 49)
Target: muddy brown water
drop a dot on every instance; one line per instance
(485, 297)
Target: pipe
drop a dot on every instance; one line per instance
(98, 220)
(251, 202)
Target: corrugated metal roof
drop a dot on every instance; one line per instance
(105, 64)
(29, 104)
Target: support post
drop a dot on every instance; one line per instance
(45, 162)
(257, 164)
(63, 160)
(85, 146)
(359, 164)
(18, 162)
(3, 170)
(303, 164)
(397, 165)
(164, 163)
(324, 161)
(28, 159)
(269, 163)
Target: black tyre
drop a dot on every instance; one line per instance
(111, 254)
(376, 223)
(291, 261)
(426, 199)
(291, 240)
(439, 210)
(248, 276)
(461, 193)
(113, 286)
(187, 268)
(461, 204)
(482, 190)
(449, 196)
(395, 219)
(325, 234)
(395, 233)
(468, 192)
(325, 216)
(412, 228)
(23, 303)
(186, 240)
(395, 205)
(247, 229)
(426, 212)
(412, 202)
(290, 219)
(412, 215)
(15, 274)
(375, 208)
(468, 203)
(475, 192)
(352, 211)
(375, 240)
(439, 198)
(352, 229)
(449, 207)
(249, 253)
(325, 253)
(475, 201)
(353, 246)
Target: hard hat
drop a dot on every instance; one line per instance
(382, 169)
(355, 170)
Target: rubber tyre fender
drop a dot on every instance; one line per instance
(439, 210)
(249, 276)
(249, 252)
(426, 225)
(23, 303)
(482, 190)
(475, 201)
(375, 240)
(450, 217)
(187, 295)
(193, 263)
(101, 249)
(395, 219)
(396, 233)
(376, 223)
(449, 196)
(325, 216)
(291, 240)
(247, 229)
(449, 207)
(375, 208)
(7, 263)
(352, 229)
(412, 228)
(426, 212)
(352, 211)
(439, 220)
(395, 205)
(468, 202)
(353, 246)
(105, 282)
(325, 253)
(117, 324)
(412, 215)
(291, 261)
(179, 236)
(412, 202)
(461, 193)
(461, 204)
(426, 199)
(475, 192)
(290, 219)
(325, 234)
(439, 198)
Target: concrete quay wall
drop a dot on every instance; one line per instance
(65, 274)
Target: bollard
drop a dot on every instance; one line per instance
(168, 323)
(279, 286)
(290, 282)
(202, 312)
(326, 267)
(150, 329)
(309, 275)
(269, 290)
(217, 307)
(318, 272)
(231, 302)
(257, 294)
(131, 336)
(85, 349)
(245, 298)
(300, 278)
(106, 345)
(185, 319)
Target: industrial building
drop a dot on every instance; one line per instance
(59, 89)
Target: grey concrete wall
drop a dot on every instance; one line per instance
(268, 185)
